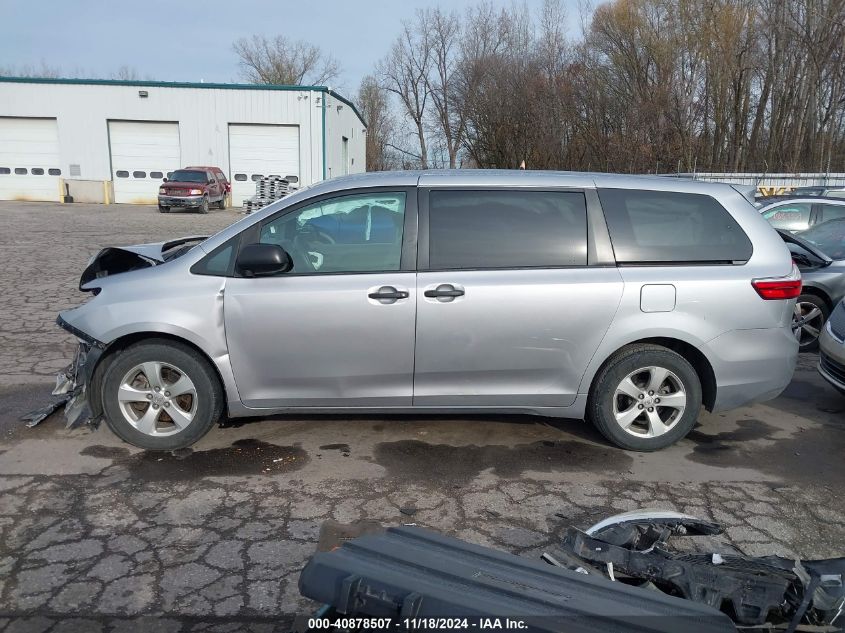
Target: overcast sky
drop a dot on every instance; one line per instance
(191, 40)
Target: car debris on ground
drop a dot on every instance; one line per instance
(620, 574)
(645, 548)
(410, 578)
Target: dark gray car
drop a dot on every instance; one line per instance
(819, 253)
(799, 214)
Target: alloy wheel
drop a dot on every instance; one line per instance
(649, 402)
(158, 399)
(809, 320)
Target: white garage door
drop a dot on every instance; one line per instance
(29, 159)
(142, 153)
(260, 150)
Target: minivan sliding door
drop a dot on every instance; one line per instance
(508, 311)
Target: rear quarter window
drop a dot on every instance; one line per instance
(671, 227)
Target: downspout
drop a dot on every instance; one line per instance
(325, 96)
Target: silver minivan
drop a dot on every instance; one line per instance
(629, 301)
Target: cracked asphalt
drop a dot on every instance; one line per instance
(98, 536)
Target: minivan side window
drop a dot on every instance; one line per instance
(671, 227)
(506, 229)
(348, 234)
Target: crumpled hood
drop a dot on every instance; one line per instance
(113, 260)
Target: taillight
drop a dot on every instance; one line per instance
(777, 289)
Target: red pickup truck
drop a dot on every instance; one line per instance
(194, 188)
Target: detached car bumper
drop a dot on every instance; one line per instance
(180, 201)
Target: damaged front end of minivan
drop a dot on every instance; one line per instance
(74, 384)
(74, 381)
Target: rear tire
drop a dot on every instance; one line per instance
(645, 397)
(139, 406)
(222, 203)
(815, 307)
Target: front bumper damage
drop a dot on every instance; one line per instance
(73, 385)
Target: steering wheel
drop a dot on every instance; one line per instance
(308, 241)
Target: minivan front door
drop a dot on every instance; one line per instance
(508, 312)
(337, 330)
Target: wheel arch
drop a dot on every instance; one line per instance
(122, 342)
(693, 355)
(818, 292)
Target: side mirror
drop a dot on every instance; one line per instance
(261, 260)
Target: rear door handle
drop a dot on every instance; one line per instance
(389, 293)
(444, 291)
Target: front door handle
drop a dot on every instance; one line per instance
(389, 293)
(447, 291)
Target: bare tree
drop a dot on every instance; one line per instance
(404, 73)
(283, 61)
(443, 33)
(126, 73)
(652, 85)
(44, 70)
(374, 106)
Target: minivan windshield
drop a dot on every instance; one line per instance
(185, 175)
(828, 237)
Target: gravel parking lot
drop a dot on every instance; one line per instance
(97, 535)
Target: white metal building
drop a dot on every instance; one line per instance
(113, 141)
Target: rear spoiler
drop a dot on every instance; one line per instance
(746, 191)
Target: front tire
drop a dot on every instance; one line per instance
(161, 395)
(204, 205)
(163, 209)
(646, 397)
(813, 311)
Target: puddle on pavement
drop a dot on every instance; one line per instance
(810, 454)
(415, 459)
(243, 457)
(748, 430)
